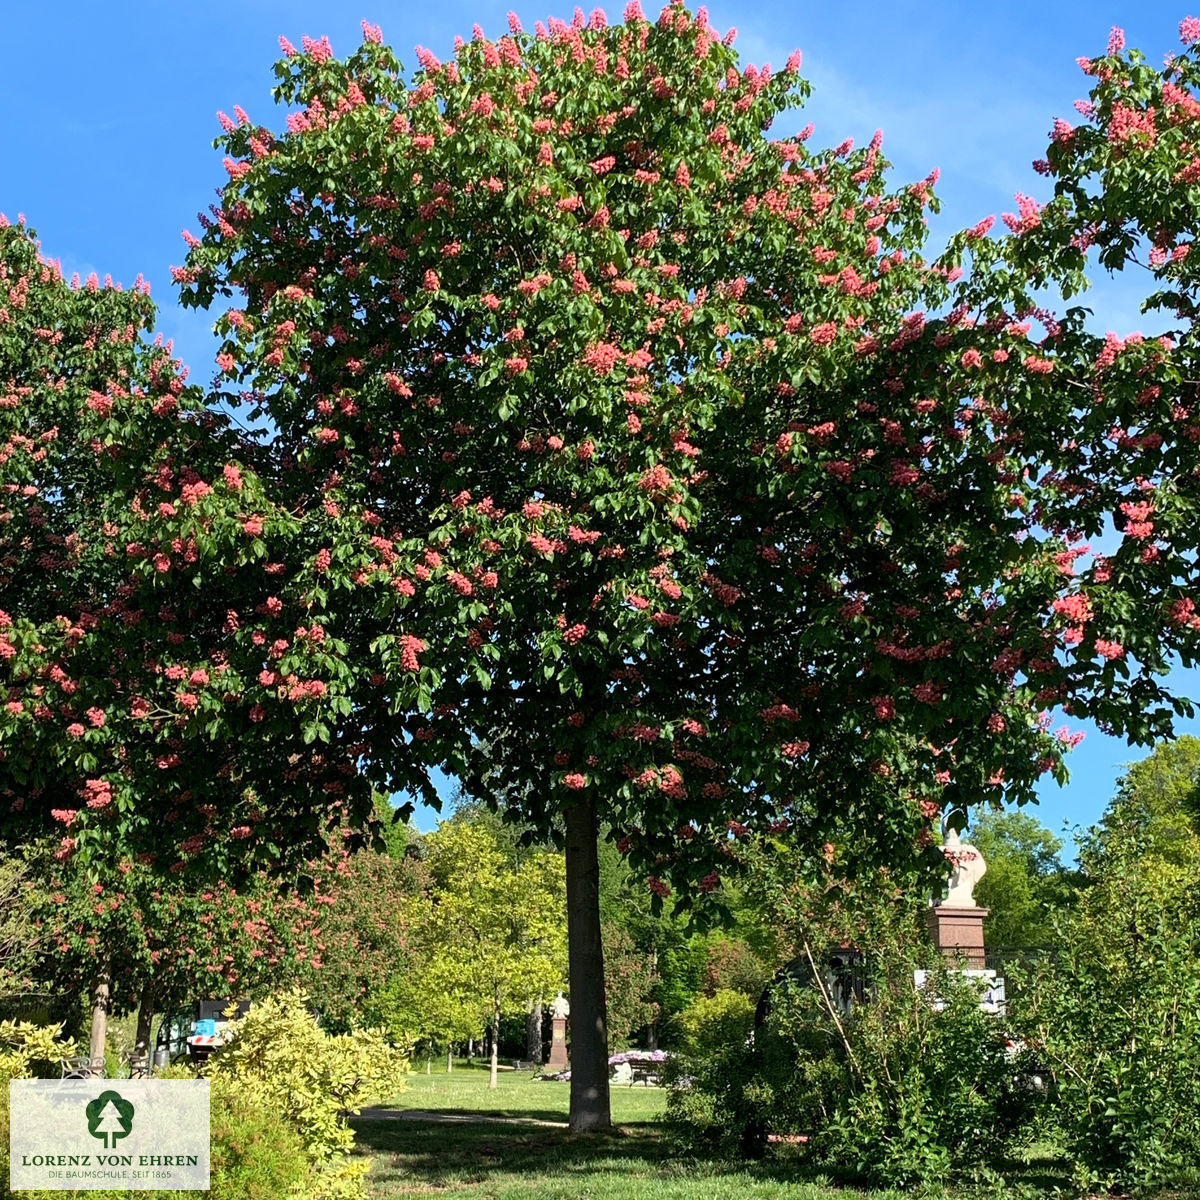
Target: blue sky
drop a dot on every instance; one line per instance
(107, 114)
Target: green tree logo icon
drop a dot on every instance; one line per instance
(109, 1116)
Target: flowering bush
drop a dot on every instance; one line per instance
(638, 1056)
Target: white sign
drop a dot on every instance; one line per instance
(991, 989)
(120, 1134)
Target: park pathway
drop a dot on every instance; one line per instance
(476, 1118)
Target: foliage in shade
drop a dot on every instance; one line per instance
(630, 976)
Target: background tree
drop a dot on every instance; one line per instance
(1025, 880)
(140, 634)
(630, 978)
(491, 934)
(1114, 1014)
(1155, 809)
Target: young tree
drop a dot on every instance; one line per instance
(684, 516)
(492, 932)
(364, 945)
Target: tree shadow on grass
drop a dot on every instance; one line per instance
(476, 1116)
(436, 1155)
(414, 1155)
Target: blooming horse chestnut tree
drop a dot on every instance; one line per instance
(684, 515)
(142, 637)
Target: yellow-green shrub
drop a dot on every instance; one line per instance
(313, 1080)
(262, 1146)
(710, 1024)
(25, 1052)
(316, 1078)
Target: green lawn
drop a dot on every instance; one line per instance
(490, 1159)
(518, 1094)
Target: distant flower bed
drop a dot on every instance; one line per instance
(638, 1056)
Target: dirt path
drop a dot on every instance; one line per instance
(418, 1114)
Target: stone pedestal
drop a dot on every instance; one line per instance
(958, 931)
(558, 1044)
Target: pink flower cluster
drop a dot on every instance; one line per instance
(601, 357)
(96, 793)
(410, 647)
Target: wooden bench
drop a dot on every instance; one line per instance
(648, 1073)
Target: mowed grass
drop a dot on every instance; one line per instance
(517, 1094)
(487, 1159)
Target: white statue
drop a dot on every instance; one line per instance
(560, 1007)
(969, 869)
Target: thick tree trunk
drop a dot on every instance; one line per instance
(495, 1039)
(100, 999)
(533, 1031)
(589, 1018)
(449, 1058)
(470, 1048)
(145, 1021)
(429, 1058)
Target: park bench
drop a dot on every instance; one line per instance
(649, 1074)
(82, 1067)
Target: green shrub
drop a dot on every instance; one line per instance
(725, 1102)
(1115, 1015)
(926, 1086)
(256, 1154)
(710, 1024)
(896, 1090)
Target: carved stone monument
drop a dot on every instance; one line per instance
(560, 1010)
(956, 921)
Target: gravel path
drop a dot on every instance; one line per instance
(417, 1114)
